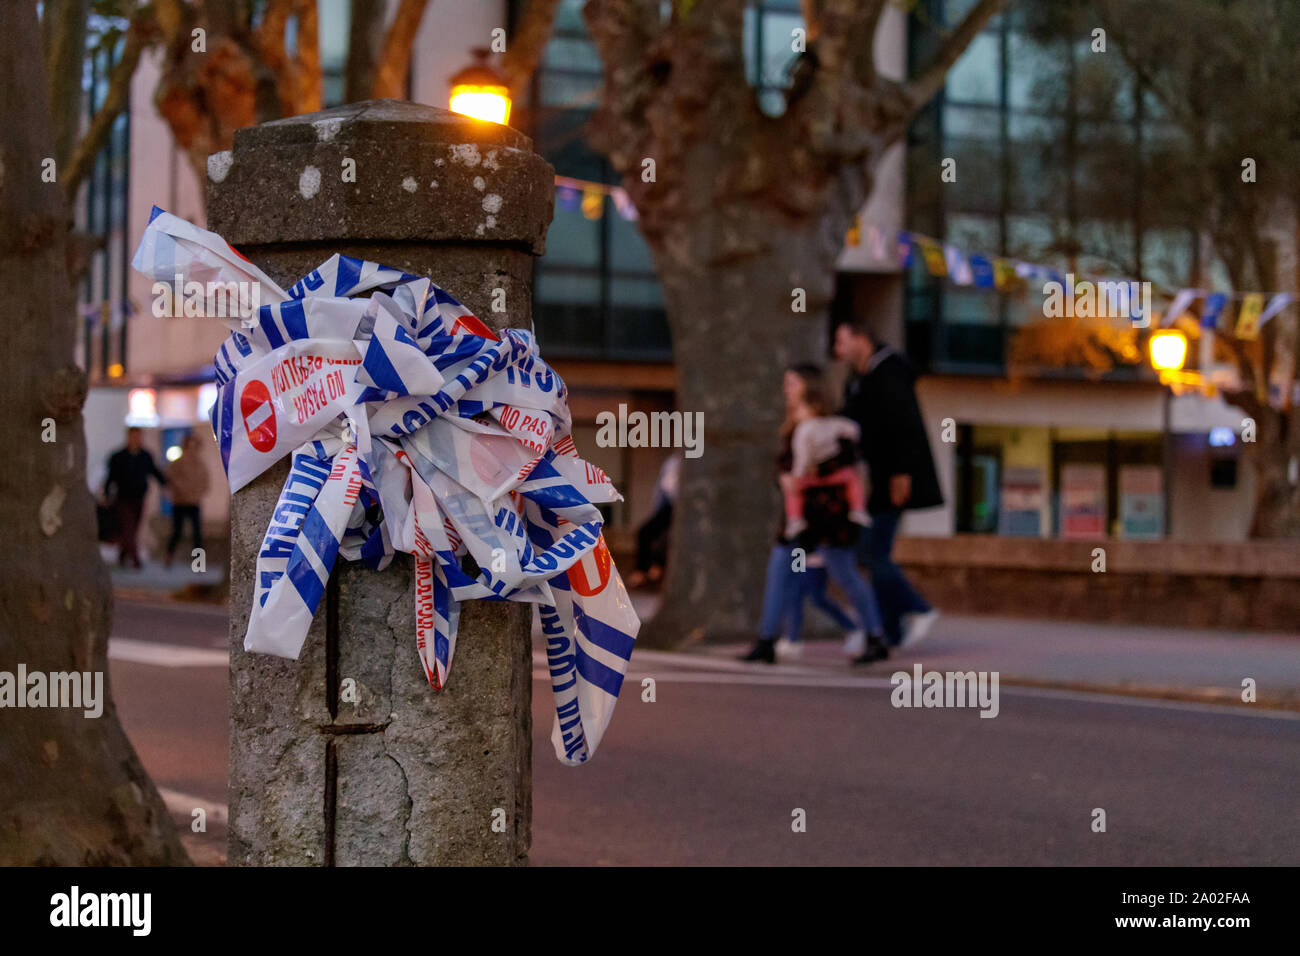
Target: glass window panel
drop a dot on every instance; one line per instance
(569, 89)
(974, 234)
(978, 186)
(1034, 74)
(970, 306)
(628, 251)
(333, 19)
(750, 41)
(976, 76)
(568, 17)
(1167, 256)
(554, 285)
(771, 101)
(1105, 246)
(1029, 237)
(641, 293)
(778, 52)
(573, 239)
(972, 122)
(571, 53)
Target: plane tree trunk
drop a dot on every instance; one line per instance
(73, 791)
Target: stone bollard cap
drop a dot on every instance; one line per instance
(381, 170)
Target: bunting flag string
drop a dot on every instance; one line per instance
(1000, 273)
(1005, 274)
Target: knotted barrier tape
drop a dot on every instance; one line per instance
(411, 427)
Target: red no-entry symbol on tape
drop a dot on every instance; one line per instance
(259, 415)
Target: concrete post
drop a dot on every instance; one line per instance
(406, 775)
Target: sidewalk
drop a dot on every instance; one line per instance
(155, 582)
(1174, 663)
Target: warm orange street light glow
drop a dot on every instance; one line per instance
(1168, 350)
(480, 91)
(491, 103)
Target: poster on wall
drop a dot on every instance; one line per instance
(1083, 501)
(1141, 502)
(1021, 513)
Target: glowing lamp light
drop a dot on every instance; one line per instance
(480, 91)
(142, 408)
(173, 452)
(1168, 350)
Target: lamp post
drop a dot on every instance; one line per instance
(480, 91)
(1168, 350)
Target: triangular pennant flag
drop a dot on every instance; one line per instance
(854, 236)
(1214, 304)
(1004, 273)
(933, 254)
(958, 268)
(982, 272)
(905, 246)
(1248, 316)
(593, 202)
(1275, 305)
(1178, 306)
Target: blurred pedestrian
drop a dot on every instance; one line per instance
(129, 470)
(652, 536)
(827, 530)
(187, 482)
(881, 397)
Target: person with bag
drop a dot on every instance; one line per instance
(129, 471)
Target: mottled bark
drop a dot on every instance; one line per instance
(73, 790)
(745, 215)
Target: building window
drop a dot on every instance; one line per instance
(1052, 145)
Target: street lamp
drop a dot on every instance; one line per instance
(1168, 350)
(480, 91)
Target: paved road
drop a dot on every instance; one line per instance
(712, 771)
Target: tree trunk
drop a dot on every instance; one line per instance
(734, 333)
(1277, 500)
(73, 790)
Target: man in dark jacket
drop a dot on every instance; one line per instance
(129, 470)
(881, 397)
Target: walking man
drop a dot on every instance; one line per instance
(881, 397)
(129, 469)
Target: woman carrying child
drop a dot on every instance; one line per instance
(823, 493)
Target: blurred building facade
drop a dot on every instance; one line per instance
(1020, 445)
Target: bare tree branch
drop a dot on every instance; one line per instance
(64, 40)
(395, 55)
(308, 92)
(528, 43)
(929, 80)
(364, 33)
(117, 98)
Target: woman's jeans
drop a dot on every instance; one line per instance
(785, 590)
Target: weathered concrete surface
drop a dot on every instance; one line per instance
(403, 776)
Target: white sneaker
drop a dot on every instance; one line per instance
(788, 650)
(855, 643)
(916, 627)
